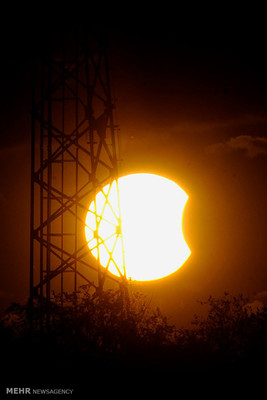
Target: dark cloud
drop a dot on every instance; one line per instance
(251, 146)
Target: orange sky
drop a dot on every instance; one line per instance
(191, 107)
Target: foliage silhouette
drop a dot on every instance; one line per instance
(108, 331)
(233, 334)
(90, 331)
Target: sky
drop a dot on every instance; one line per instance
(191, 104)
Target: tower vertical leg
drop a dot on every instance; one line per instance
(74, 155)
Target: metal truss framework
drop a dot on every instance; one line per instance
(74, 155)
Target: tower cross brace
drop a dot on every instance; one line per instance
(74, 155)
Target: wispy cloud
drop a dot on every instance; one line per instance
(252, 146)
(262, 296)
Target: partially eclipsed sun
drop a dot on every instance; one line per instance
(134, 227)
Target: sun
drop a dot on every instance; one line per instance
(134, 227)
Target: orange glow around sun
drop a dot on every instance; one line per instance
(134, 227)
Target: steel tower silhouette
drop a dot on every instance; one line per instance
(74, 155)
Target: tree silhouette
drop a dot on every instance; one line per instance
(105, 330)
(88, 334)
(231, 334)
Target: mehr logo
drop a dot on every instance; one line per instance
(18, 391)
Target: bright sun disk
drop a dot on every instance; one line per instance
(148, 239)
